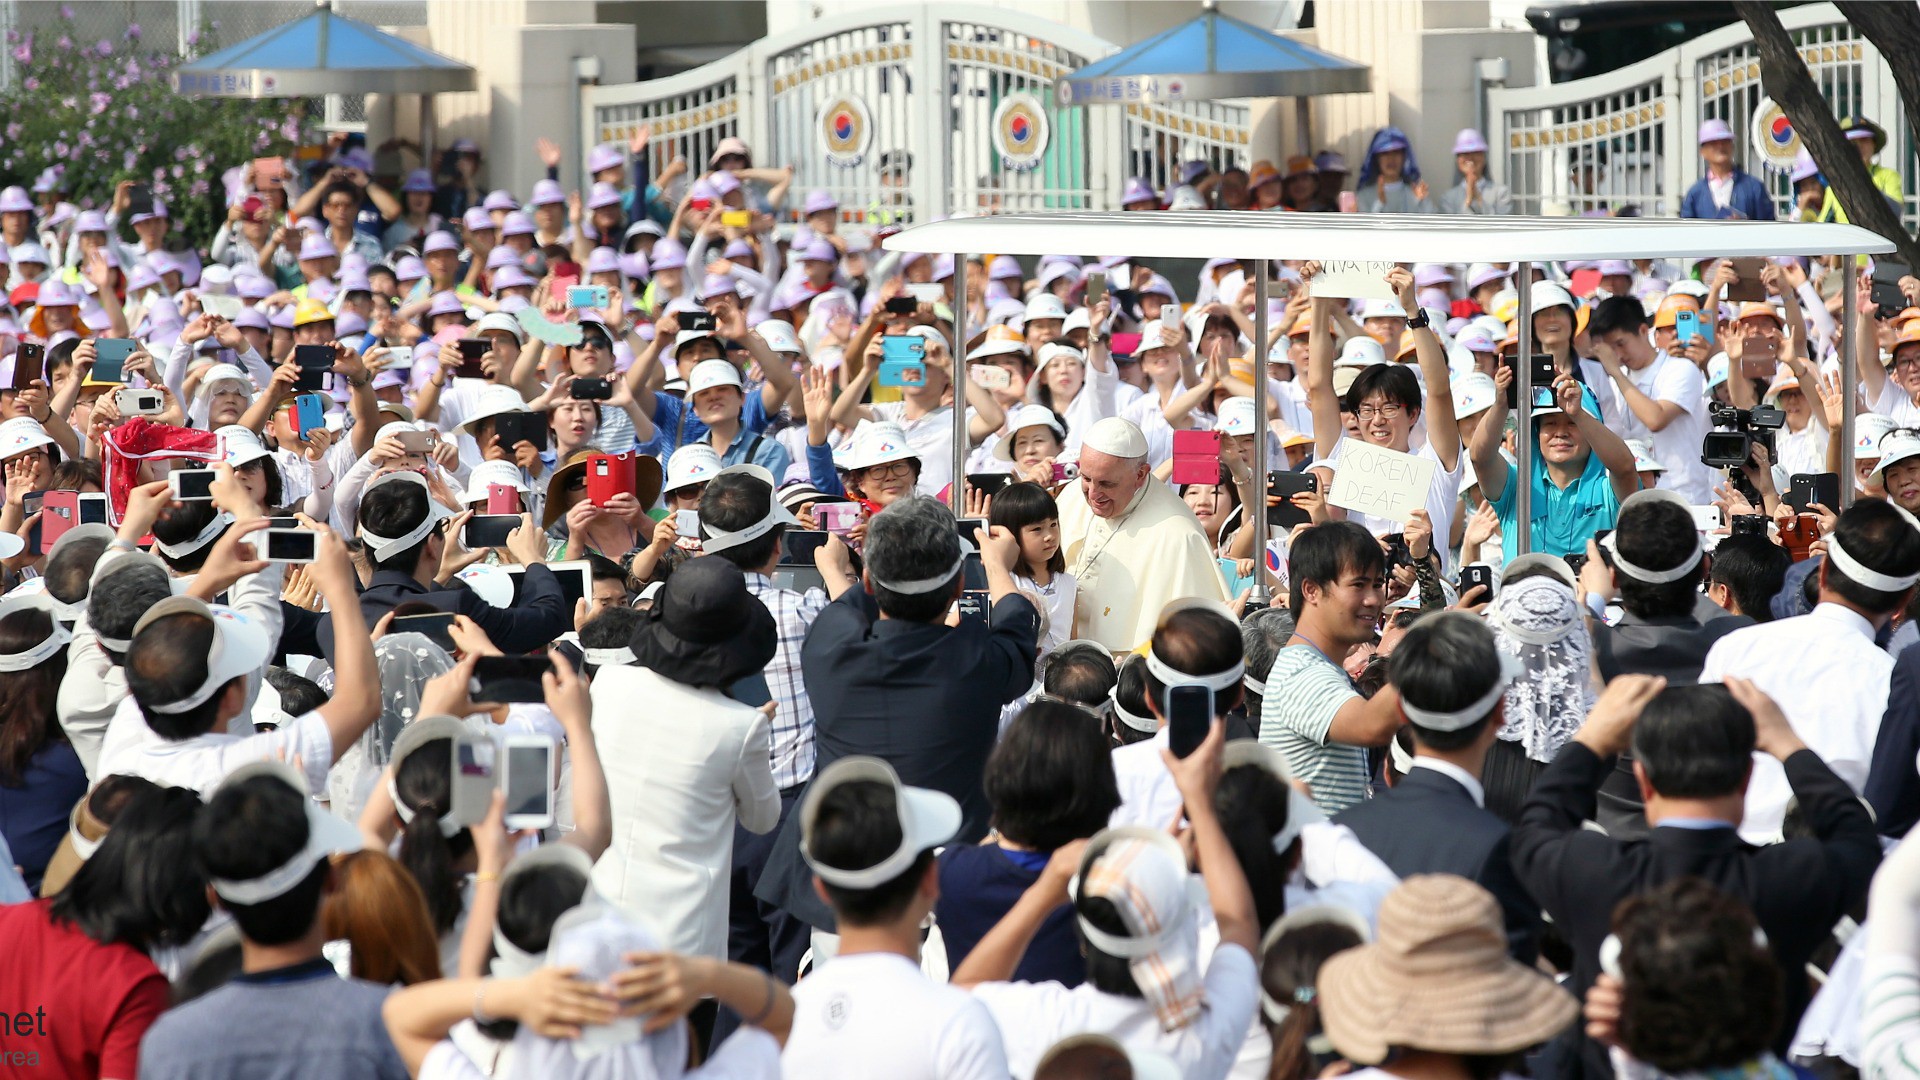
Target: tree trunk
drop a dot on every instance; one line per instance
(1789, 83)
(1894, 29)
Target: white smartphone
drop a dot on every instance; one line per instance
(927, 292)
(93, 508)
(291, 545)
(132, 402)
(1706, 518)
(474, 779)
(192, 485)
(528, 782)
(687, 523)
(1170, 315)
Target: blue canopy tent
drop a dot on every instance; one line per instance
(323, 53)
(1214, 56)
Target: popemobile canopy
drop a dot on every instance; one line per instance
(323, 53)
(1390, 238)
(1203, 234)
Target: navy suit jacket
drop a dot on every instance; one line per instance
(924, 697)
(1893, 786)
(1749, 200)
(1797, 889)
(1429, 824)
(538, 616)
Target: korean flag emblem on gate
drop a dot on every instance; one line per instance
(845, 130)
(1020, 131)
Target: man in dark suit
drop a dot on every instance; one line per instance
(1654, 563)
(407, 537)
(889, 678)
(1693, 752)
(1452, 680)
(1893, 787)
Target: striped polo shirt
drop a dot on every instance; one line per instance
(1304, 691)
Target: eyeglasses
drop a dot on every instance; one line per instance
(1909, 360)
(577, 482)
(1384, 412)
(890, 469)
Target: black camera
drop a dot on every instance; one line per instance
(1730, 444)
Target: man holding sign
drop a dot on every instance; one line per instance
(1581, 469)
(1385, 482)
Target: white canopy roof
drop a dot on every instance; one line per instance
(1206, 234)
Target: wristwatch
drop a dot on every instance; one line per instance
(1418, 320)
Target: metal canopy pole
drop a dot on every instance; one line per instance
(1523, 422)
(1254, 515)
(1849, 377)
(957, 360)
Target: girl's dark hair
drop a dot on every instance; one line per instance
(1017, 506)
(270, 468)
(28, 720)
(1701, 992)
(424, 783)
(530, 903)
(1130, 693)
(60, 356)
(1288, 973)
(1109, 974)
(1050, 778)
(1252, 805)
(143, 887)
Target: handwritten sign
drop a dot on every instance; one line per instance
(1349, 278)
(553, 333)
(1378, 481)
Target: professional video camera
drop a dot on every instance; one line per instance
(1730, 444)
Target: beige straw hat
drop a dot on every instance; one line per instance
(1438, 979)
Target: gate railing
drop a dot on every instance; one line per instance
(930, 77)
(1629, 138)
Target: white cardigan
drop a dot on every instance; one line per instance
(681, 763)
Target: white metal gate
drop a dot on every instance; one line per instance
(1628, 138)
(930, 77)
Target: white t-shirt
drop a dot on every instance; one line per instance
(931, 437)
(1677, 446)
(202, 762)
(874, 1016)
(747, 1054)
(1443, 497)
(1803, 451)
(1898, 404)
(1059, 595)
(1034, 1016)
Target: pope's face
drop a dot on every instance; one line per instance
(1110, 482)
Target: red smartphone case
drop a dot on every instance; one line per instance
(1196, 457)
(611, 474)
(59, 511)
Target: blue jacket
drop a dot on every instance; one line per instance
(1750, 200)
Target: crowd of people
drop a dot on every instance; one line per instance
(457, 634)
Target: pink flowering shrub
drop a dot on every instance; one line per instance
(107, 112)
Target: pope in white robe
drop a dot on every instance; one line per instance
(1130, 542)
